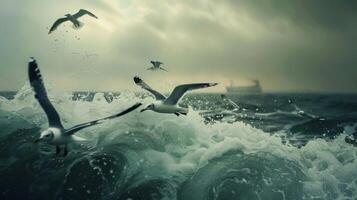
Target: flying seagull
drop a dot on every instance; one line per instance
(156, 66)
(71, 18)
(169, 104)
(56, 134)
(225, 98)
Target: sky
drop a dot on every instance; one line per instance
(290, 46)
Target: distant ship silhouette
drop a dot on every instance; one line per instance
(251, 89)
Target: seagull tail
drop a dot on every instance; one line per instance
(181, 113)
(77, 25)
(184, 113)
(78, 139)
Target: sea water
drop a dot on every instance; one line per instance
(274, 146)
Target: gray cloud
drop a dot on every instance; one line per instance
(288, 45)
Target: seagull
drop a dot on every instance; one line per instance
(156, 66)
(169, 104)
(225, 98)
(85, 55)
(56, 134)
(72, 18)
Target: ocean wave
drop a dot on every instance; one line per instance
(155, 156)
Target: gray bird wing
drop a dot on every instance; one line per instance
(82, 12)
(163, 69)
(78, 127)
(158, 96)
(57, 23)
(180, 90)
(38, 87)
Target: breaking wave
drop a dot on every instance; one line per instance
(155, 156)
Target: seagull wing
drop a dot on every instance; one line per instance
(82, 12)
(158, 96)
(41, 95)
(57, 23)
(163, 69)
(78, 127)
(180, 90)
(225, 98)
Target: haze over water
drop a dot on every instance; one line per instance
(290, 46)
(296, 140)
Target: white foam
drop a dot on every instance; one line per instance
(183, 145)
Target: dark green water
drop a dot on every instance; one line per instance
(274, 146)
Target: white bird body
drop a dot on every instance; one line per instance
(161, 107)
(73, 19)
(58, 137)
(170, 104)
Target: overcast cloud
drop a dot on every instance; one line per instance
(298, 45)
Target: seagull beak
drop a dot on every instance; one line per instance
(37, 140)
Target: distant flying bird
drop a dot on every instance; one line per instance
(169, 104)
(86, 55)
(156, 66)
(72, 18)
(56, 134)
